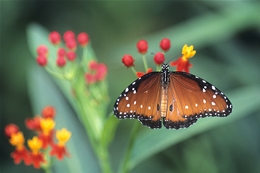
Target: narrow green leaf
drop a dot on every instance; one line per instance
(151, 142)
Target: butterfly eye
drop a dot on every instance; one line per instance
(176, 99)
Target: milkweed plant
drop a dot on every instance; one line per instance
(73, 61)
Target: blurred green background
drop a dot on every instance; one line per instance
(226, 35)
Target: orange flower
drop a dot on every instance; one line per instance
(59, 150)
(183, 63)
(20, 153)
(46, 136)
(140, 74)
(35, 144)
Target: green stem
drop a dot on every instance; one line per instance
(124, 168)
(103, 156)
(133, 70)
(145, 63)
(100, 151)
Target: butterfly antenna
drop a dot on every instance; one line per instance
(173, 58)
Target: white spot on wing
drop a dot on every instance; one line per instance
(128, 105)
(213, 103)
(186, 107)
(126, 90)
(204, 101)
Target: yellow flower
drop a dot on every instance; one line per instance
(188, 52)
(17, 139)
(63, 136)
(47, 124)
(34, 144)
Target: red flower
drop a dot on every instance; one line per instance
(54, 37)
(140, 74)
(41, 60)
(42, 50)
(61, 61)
(71, 56)
(33, 123)
(142, 46)
(71, 44)
(59, 151)
(92, 65)
(68, 35)
(159, 58)
(11, 129)
(83, 39)
(128, 60)
(21, 154)
(165, 44)
(101, 72)
(98, 72)
(48, 112)
(61, 52)
(37, 159)
(90, 78)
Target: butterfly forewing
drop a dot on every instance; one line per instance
(140, 100)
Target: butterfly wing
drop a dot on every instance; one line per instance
(190, 97)
(139, 100)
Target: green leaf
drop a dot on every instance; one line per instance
(151, 142)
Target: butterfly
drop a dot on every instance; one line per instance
(174, 99)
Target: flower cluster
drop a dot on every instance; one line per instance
(97, 72)
(44, 127)
(66, 56)
(182, 63)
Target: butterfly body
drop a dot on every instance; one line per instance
(174, 99)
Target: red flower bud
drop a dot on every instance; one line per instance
(42, 50)
(90, 78)
(101, 72)
(71, 44)
(48, 112)
(61, 61)
(92, 65)
(165, 44)
(83, 39)
(128, 60)
(68, 35)
(71, 56)
(142, 46)
(41, 60)
(11, 129)
(61, 52)
(159, 58)
(54, 37)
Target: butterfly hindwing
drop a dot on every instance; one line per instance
(195, 98)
